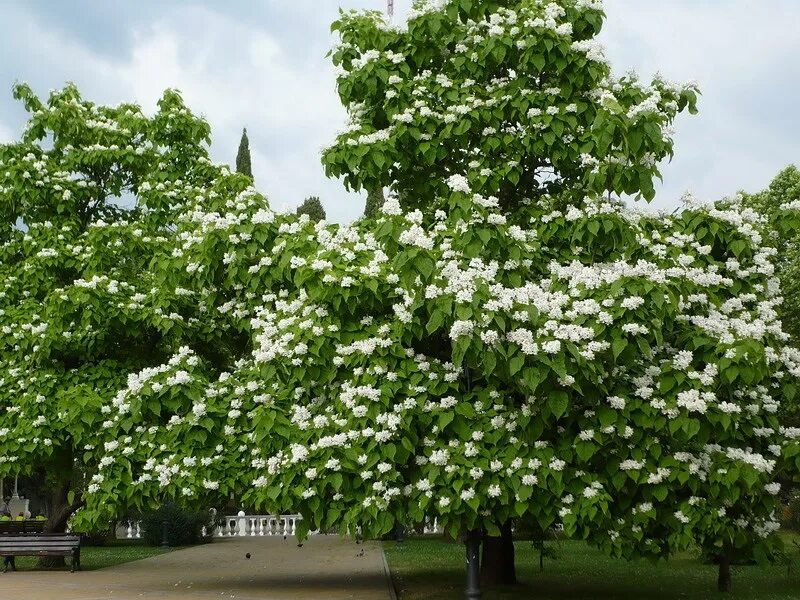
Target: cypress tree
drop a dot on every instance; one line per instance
(312, 207)
(243, 164)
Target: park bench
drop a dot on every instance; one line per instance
(26, 526)
(41, 544)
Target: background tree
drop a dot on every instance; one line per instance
(782, 196)
(783, 191)
(312, 207)
(96, 189)
(243, 163)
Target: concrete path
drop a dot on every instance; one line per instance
(325, 568)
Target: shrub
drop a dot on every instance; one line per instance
(184, 527)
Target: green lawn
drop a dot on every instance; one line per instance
(430, 569)
(100, 557)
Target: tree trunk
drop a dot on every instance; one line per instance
(497, 564)
(61, 509)
(57, 523)
(724, 578)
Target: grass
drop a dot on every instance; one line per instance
(431, 569)
(100, 557)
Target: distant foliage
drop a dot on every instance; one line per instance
(783, 193)
(184, 526)
(313, 208)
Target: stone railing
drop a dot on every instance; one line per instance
(129, 530)
(244, 525)
(258, 525)
(239, 525)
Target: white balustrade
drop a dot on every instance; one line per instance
(431, 526)
(128, 530)
(240, 525)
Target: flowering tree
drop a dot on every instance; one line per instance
(87, 198)
(517, 94)
(577, 407)
(783, 193)
(505, 340)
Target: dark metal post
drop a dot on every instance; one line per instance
(399, 532)
(473, 544)
(164, 535)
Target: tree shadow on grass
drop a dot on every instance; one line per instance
(750, 583)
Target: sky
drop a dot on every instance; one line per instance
(262, 65)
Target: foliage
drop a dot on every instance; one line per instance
(184, 526)
(243, 163)
(312, 207)
(782, 195)
(555, 358)
(506, 340)
(517, 92)
(88, 197)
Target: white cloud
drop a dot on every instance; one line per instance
(235, 75)
(289, 106)
(5, 134)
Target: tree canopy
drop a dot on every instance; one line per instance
(517, 90)
(783, 192)
(506, 339)
(89, 197)
(482, 352)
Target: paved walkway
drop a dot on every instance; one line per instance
(325, 568)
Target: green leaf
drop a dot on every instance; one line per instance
(558, 402)
(515, 364)
(618, 345)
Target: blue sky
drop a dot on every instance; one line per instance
(262, 65)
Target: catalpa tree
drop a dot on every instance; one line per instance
(88, 198)
(589, 397)
(506, 340)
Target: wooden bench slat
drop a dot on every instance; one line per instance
(25, 545)
(40, 553)
(26, 548)
(40, 537)
(45, 546)
(44, 541)
(58, 543)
